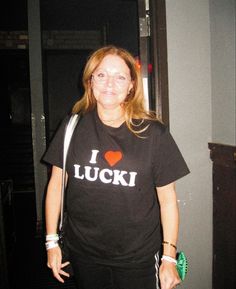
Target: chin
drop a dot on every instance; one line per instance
(110, 105)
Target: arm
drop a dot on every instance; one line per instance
(170, 223)
(53, 200)
(52, 211)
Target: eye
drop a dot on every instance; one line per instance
(101, 75)
(121, 78)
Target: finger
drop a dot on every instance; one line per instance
(55, 270)
(57, 275)
(65, 264)
(177, 282)
(49, 266)
(163, 285)
(64, 273)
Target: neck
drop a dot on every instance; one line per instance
(112, 118)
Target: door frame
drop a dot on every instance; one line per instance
(153, 55)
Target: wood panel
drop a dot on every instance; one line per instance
(224, 215)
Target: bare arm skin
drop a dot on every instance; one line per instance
(52, 211)
(168, 274)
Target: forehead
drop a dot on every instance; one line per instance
(113, 63)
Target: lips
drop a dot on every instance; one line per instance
(108, 93)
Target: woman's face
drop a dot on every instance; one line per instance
(111, 82)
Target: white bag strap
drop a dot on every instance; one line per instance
(68, 135)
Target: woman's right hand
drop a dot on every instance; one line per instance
(54, 262)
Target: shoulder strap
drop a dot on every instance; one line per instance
(67, 138)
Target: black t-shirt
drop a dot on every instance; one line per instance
(112, 206)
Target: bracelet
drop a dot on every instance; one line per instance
(168, 259)
(52, 237)
(51, 244)
(168, 243)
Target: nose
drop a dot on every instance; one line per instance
(110, 80)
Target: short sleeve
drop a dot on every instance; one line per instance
(54, 152)
(169, 164)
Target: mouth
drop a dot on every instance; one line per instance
(109, 93)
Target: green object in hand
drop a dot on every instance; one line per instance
(182, 265)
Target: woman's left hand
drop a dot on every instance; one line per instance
(169, 277)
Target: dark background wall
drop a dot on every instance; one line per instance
(119, 18)
(102, 22)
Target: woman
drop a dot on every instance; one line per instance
(121, 169)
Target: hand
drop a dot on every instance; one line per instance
(169, 277)
(54, 263)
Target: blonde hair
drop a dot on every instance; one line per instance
(134, 102)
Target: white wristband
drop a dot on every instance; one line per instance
(52, 237)
(169, 259)
(51, 244)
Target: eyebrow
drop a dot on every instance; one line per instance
(103, 70)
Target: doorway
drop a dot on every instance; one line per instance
(71, 30)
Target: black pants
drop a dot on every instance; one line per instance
(96, 276)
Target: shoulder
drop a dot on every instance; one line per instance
(158, 126)
(154, 127)
(148, 128)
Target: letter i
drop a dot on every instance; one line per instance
(93, 159)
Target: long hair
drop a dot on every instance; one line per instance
(133, 105)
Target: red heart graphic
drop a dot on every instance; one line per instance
(113, 157)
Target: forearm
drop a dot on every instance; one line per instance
(53, 201)
(168, 274)
(52, 210)
(170, 226)
(169, 218)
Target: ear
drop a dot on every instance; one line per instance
(90, 83)
(130, 87)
